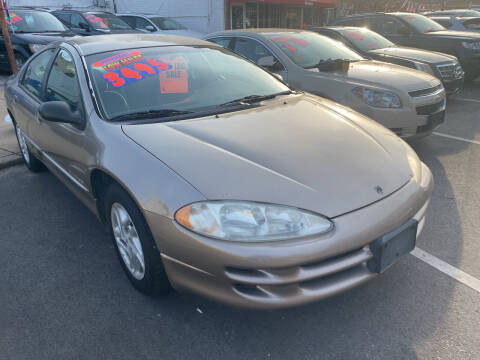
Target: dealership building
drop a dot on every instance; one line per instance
(212, 15)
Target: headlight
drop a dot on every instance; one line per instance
(249, 221)
(35, 47)
(380, 99)
(471, 45)
(424, 67)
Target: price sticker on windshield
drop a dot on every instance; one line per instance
(13, 18)
(175, 79)
(129, 67)
(355, 35)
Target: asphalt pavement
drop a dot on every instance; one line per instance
(63, 294)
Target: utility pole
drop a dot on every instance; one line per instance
(6, 37)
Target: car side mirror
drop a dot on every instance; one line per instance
(404, 31)
(84, 26)
(150, 28)
(279, 77)
(59, 111)
(267, 62)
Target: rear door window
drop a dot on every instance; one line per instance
(35, 73)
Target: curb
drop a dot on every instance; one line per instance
(10, 163)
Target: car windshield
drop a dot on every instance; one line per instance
(167, 24)
(106, 21)
(307, 49)
(33, 22)
(422, 23)
(175, 79)
(365, 39)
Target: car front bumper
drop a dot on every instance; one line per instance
(287, 273)
(454, 86)
(418, 117)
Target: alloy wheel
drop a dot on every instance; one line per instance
(23, 145)
(128, 241)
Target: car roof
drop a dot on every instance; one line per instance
(342, 28)
(83, 11)
(376, 14)
(254, 31)
(89, 45)
(143, 15)
(28, 8)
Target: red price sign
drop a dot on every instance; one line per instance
(135, 72)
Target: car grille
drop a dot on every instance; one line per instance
(430, 109)
(342, 271)
(425, 92)
(450, 72)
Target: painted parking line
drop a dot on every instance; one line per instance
(457, 138)
(447, 269)
(467, 100)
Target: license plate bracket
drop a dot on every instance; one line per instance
(390, 247)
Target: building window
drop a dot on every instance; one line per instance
(251, 12)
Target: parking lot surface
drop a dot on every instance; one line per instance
(63, 294)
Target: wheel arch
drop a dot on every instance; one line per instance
(100, 180)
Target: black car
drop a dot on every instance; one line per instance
(374, 46)
(30, 30)
(419, 31)
(88, 23)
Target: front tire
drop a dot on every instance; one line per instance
(134, 243)
(31, 162)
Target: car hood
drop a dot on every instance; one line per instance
(385, 75)
(414, 54)
(308, 152)
(44, 38)
(185, 32)
(467, 35)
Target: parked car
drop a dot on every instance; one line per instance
(458, 23)
(30, 30)
(415, 30)
(88, 23)
(374, 46)
(453, 12)
(215, 177)
(409, 102)
(158, 25)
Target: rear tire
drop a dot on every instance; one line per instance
(134, 243)
(30, 160)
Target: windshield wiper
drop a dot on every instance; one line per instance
(159, 113)
(251, 99)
